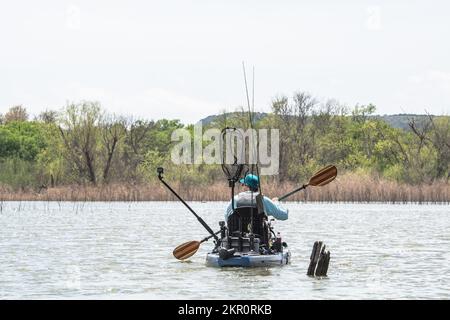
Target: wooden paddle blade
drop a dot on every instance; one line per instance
(186, 250)
(324, 176)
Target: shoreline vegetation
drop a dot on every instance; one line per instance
(346, 188)
(81, 152)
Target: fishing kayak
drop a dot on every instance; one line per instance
(249, 260)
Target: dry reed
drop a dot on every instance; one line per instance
(346, 188)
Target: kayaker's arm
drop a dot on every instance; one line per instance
(274, 210)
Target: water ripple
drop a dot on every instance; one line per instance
(123, 251)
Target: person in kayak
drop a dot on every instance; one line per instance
(248, 198)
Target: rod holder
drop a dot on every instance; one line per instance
(160, 171)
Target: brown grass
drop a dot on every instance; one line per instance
(346, 188)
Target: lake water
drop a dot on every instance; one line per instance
(51, 250)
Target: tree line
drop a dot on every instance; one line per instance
(83, 144)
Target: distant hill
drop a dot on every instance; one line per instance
(209, 119)
(395, 120)
(401, 120)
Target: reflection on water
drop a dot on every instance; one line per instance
(124, 250)
(246, 272)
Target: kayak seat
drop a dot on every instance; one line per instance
(239, 222)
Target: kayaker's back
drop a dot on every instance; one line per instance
(241, 221)
(249, 199)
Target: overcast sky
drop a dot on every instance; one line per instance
(182, 59)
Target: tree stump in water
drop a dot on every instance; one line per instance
(319, 261)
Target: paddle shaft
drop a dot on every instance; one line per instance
(203, 223)
(292, 192)
(209, 237)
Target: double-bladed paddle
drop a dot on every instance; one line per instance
(320, 178)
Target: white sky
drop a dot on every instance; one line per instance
(182, 59)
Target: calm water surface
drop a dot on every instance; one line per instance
(51, 250)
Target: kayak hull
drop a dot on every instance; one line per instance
(249, 260)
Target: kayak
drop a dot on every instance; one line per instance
(249, 260)
(247, 238)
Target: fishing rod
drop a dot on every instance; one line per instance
(250, 112)
(160, 172)
(259, 199)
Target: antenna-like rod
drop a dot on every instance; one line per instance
(246, 92)
(250, 115)
(257, 144)
(253, 90)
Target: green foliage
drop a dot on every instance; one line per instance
(52, 165)
(9, 145)
(153, 159)
(159, 137)
(22, 140)
(84, 144)
(18, 173)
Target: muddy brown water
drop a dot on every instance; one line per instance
(110, 250)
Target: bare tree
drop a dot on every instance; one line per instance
(79, 132)
(437, 133)
(303, 107)
(16, 113)
(324, 115)
(48, 116)
(113, 130)
(283, 114)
